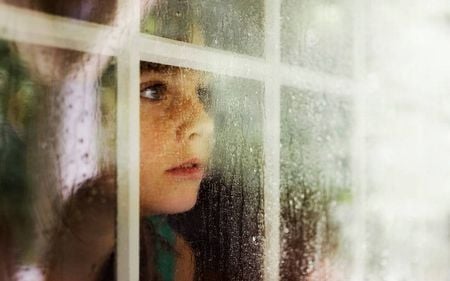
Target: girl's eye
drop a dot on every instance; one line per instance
(156, 92)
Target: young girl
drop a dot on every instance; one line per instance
(176, 138)
(176, 135)
(76, 217)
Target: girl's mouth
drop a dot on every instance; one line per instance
(189, 170)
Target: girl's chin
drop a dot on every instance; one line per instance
(168, 206)
(165, 210)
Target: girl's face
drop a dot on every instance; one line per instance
(176, 137)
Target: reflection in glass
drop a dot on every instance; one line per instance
(317, 35)
(58, 162)
(315, 182)
(229, 25)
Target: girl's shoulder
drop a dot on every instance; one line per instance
(173, 256)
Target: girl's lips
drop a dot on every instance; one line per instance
(189, 170)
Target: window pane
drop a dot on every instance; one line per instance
(408, 194)
(392, 222)
(223, 232)
(315, 182)
(98, 11)
(57, 173)
(229, 25)
(407, 203)
(317, 35)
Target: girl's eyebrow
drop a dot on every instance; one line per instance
(146, 84)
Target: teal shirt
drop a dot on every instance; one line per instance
(165, 248)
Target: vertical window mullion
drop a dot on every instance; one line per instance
(358, 151)
(272, 141)
(128, 144)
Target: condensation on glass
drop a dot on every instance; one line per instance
(221, 237)
(364, 176)
(318, 35)
(228, 25)
(315, 181)
(230, 209)
(57, 166)
(407, 202)
(364, 169)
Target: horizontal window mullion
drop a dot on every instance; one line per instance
(22, 25)
(171, 52)
(18, 24)
(305, 79)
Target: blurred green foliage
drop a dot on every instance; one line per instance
(15, 197)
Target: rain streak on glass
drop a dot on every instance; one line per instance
(224, 230)
(228, 25)
(315, 181)
(365, 178)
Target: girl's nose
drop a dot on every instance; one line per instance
(202, 128)
(194, 123)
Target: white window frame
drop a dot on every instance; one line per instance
(129, 46)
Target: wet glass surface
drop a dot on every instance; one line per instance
(224, 230)
(231, 201)
(318, 35)
(407, 223)
(57, 170)
(364, 177)
(315, 182)
(228, 25)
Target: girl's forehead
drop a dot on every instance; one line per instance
(175, 73)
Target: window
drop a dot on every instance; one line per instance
(331, 143)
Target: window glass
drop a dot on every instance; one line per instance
(57, 171)
(221, 229)
(407, 211)
(390, 221)
(364, 176)
(228, 25)
(406, 112)
(315, 182)
(317, 35)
